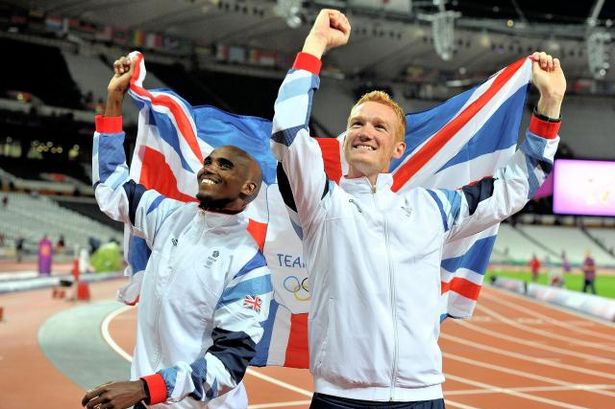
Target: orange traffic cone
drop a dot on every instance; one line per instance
(83, 291)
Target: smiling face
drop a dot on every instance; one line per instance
(372, 139)
(228, 180)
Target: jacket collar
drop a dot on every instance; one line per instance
(361, 185)
(214, 219)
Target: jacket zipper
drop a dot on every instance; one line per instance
(393, 308)
(393, 298)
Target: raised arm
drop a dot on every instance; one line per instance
(117, 195)
(475, 207)
(303, 182)
(244, 304)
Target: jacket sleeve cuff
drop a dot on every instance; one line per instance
(308, 62)
(108, 124)
(157, 388)
(545, 129)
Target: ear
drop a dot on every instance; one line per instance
(248, 188)
(399, 149)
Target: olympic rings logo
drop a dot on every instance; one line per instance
(299, 289)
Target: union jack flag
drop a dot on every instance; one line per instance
(253, 303)
(461, 140)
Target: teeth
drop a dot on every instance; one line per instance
(364, 147)
(207, 182)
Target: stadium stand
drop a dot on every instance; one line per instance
(87, 207)
(41, 71)
(32, 217)
(605, 235)
(569, 239)
(513, 246)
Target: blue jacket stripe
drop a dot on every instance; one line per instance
(170, 376)
(287, 136)
(155, 203)
(532, 179)
(262, 348)
(534, 146)
(198, 375)
(134, 192)
(296, 86)
(234, 350)
(118, 177)
(213, 391)
(255, 286)
(257, 261)
(111, 148)
(139, 253)
(440, 207)
(477, 192)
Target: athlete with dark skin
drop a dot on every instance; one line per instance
(229, 179)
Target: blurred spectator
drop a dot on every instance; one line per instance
(94, 244)
(84, 261)
(60, 244)
(19, 242)
(88, 99)
(554, 274)
(534, 267)
(5, 201)
(45, 255)
(565, 263)
(1, 239)
(589, 273)
(99, 108)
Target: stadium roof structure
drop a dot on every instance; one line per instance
(469, 38)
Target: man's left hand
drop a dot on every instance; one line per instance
(115, 395)
(548, 77)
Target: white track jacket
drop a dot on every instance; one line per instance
(205, 290)
(374, 255)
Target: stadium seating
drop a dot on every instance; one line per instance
(514, 246)
(569, 239)
(38, 64)
(605, 235)
(34, 216)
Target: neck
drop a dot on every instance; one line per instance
(224, 208)
(354, 173)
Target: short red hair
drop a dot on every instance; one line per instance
(382, 97)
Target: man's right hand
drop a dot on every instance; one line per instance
(123, 68)
(331, 29)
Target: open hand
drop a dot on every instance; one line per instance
(114, 395)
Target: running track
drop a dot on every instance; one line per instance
(515, 353)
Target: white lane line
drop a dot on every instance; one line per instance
(549, 348)
(453, 404)
(280, 404)
(508, 391)
(107, 337)
(104, 329)
(522, 374)
(523, 357)
(564, 324)
(275, 381)
(567, 388)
